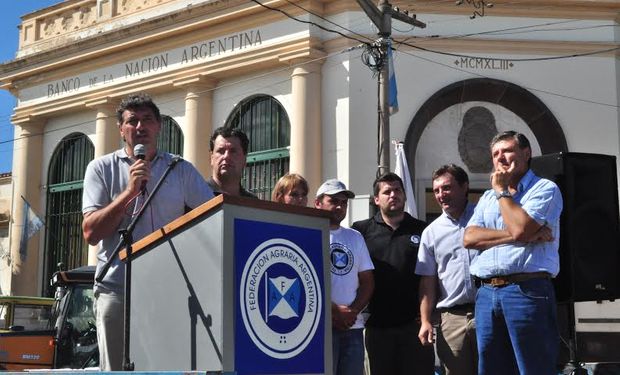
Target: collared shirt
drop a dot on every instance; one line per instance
(218, 191)
(442, 254)
(107, 177)
(394, 254)
(542, 201)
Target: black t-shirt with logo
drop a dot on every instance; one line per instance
(394, 254)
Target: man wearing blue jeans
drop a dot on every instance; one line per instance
(516, 225)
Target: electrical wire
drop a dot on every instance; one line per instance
(331, 22)
(518, 59)
(308, 22)
(525, 87)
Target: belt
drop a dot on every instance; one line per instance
(500, 281)
(465, 307)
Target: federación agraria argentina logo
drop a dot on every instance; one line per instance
(280, 298)
(341, 259)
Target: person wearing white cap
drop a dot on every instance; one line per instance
(352, 281)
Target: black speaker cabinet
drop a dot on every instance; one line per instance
(589, 226)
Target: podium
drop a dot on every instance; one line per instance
(237, 286)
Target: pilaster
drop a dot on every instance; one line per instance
(306, 150)
(27, 167)
(198, 122)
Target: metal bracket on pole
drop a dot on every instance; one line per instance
(381, 16)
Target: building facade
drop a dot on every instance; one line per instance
(293, 75)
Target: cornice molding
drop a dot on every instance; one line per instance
(203, 21)
(279, 56)
(209, 19)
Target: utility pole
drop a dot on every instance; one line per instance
(381, 15)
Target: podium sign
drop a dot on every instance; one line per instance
(280, 324)
(235, 286)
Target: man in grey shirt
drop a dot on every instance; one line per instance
(115, 188)
(443, 263)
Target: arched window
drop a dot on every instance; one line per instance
(170, 136)
(64, 242)
(266, 123)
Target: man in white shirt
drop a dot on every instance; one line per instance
(352, 281)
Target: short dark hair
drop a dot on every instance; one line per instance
(227, 132)
(457, 172)
(386, 177)
(521, 139)
(134, 102)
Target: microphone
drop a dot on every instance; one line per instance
(139, 151)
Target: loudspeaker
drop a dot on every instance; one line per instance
(589, 225)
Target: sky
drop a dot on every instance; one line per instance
(10, 13)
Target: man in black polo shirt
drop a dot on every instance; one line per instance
(393, 237)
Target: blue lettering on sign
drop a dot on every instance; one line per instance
(280, 319)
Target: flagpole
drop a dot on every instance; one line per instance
(384, 112)
(381, 16)
(266, 298)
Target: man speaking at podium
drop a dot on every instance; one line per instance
(115, 188)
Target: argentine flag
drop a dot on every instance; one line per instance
(393, 92)
(284, 297)
(402, 170)
(31, 225)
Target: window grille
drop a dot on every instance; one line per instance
(64, 242)
(170, 137)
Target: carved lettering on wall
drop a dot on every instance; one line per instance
(147, 65)
(483, 63)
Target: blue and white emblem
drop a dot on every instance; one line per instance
(415, 240)
(280, 298)
(341, 259)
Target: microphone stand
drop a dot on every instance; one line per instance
(126, 241)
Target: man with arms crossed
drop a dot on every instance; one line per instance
(516, 225)
(115, 188)
(352, 280)
(444, 264)
(393, 238)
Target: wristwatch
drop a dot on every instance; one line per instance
(503, 194)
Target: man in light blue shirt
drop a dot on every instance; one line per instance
(516, 225)
(446, 281)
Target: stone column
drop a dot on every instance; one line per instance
(198, 122)
(107, 135)
(27, 167)
(107, 140)
(306, 150)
